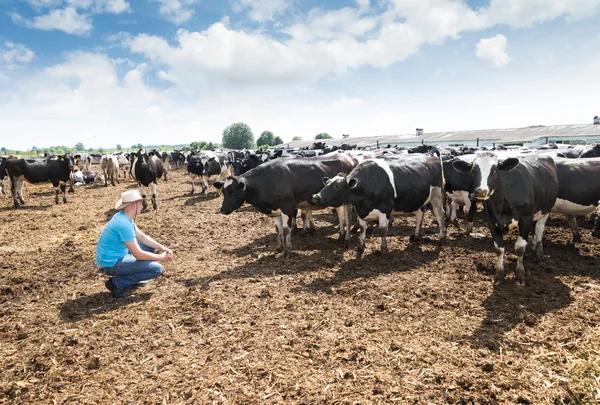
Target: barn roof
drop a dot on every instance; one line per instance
(501, 135)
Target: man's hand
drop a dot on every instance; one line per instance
(165, 256)
(168, 251)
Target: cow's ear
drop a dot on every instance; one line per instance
(462, 166)
(218, 185)
(326, 180)
(508, 164)
(352, 183)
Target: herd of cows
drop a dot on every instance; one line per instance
(517, 187)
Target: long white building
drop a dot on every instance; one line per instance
(534, 135)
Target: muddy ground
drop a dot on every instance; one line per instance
(231, 322)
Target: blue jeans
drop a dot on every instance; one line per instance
(128, 271)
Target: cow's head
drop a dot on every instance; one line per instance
(484, 171)
(142, 157)
(335, 192)
(67, 159)
(234, 192)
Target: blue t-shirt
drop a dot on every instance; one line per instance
(111, 245)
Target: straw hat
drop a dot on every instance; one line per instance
(127, 198)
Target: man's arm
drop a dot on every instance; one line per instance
(148, 241)
(140, 254)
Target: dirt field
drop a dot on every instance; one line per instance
(231, 322)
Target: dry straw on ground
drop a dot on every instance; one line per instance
(230, 322)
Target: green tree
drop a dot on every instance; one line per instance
(266, 139)
(3, 150)
(139, 146)
(297, 138)
(100, 150)
(119, 147)
(134, 146)
(79, 147)
(59, 151)
(323, 135)
(238, 136)
(277, 141)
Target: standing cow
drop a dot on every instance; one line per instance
(55, 169)
(2, 174)
(515, 192)
(110, 167)
(379, 188)
(147, 169)
(278, 188)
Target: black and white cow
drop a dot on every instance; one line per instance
(215, 169)
(165, 165)
(458, 186)
(195, 167)
(83, 161)
(83, 177)
(55, 169)
(178, 158)
(124, 164)
(280, 187)
(379, 188)
(147, 169)
(2, 174)
(578, 189)
(110, 168)
(515, 192)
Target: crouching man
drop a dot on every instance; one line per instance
(126, 253)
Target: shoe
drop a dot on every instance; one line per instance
(142, 283)
(116, 292)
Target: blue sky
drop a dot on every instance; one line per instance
(107, 72)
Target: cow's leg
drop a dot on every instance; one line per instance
(574, 228)
(193, 189)
(498, 247)
(437, 206)
(105, 177)
(310, 221)
(520, 247)
(471, 215)
(419, 218)
(303, 215)
(279, 229)
(452, 213)
(286, 222)
(118, 170)
(153, 189)
(20, 182)
(13, 188)
(449, 210)
(384, 220)
(538, 236)
(344, 230)
(143, 193)
(204, 186)
(362, 236)
(63, 188)
(294, 222)
(112, 177)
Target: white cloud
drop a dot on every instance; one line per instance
(176, 11)
(262, 10)
(67, 20)
(95, 6)
(11, 53)
(493, 50)
(162, 75)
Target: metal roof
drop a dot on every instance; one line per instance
(502, 135)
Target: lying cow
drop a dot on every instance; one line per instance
(379, 188)
(147, 169)
(278, 188)
(83, 177)
(514, 192)
(55, 169)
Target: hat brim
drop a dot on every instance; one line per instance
(119, 205)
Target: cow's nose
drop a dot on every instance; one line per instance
(316, 198)
(481, 193)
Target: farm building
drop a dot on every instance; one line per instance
(528, 136)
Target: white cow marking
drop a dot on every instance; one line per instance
(485, 164)
(386, 167)
(569, 208)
